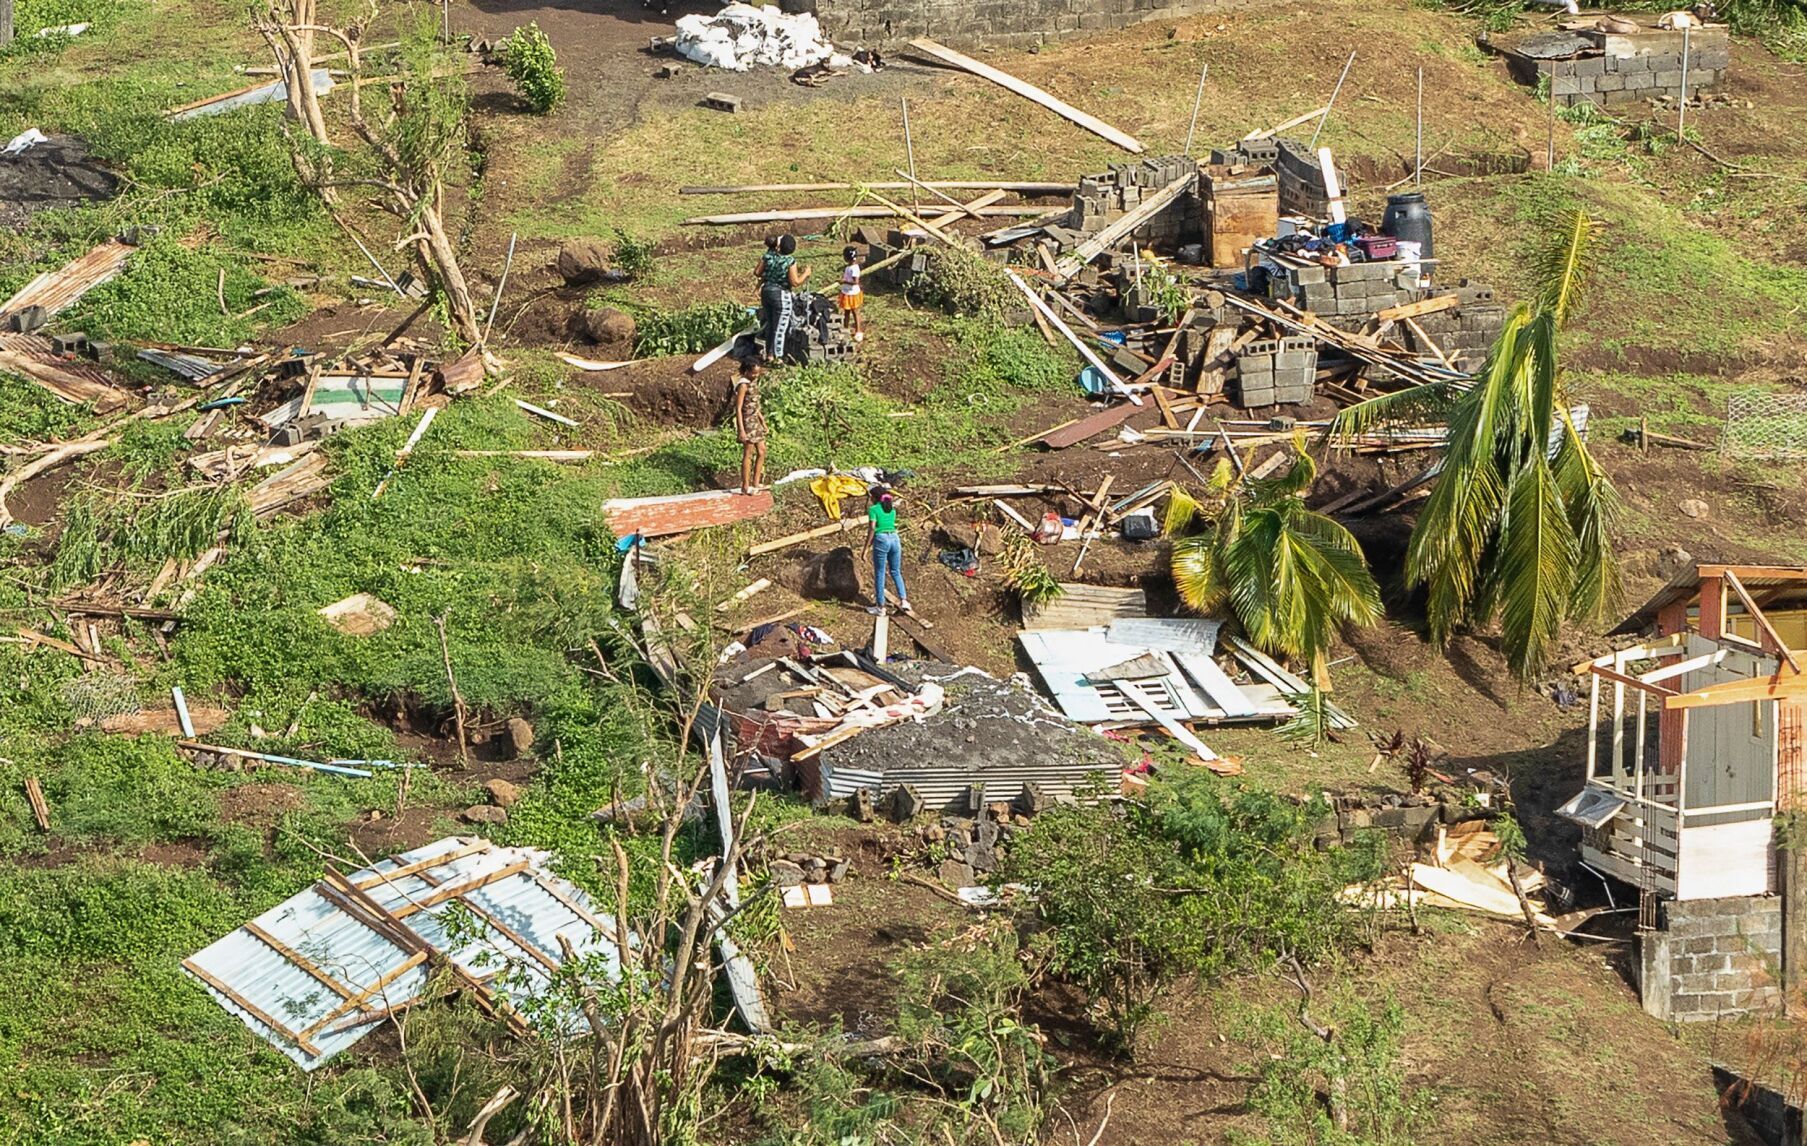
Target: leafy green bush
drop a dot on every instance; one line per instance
(634, 256)
(689, 331)
(963, 282)
(533, 66)
(169, 293)
(1196, 879)
(1307, 1083)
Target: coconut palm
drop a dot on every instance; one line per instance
(1290, 575)
(1518, 523)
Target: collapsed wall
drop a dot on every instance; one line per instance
(982, 23)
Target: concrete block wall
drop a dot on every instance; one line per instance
(982, 23)
(1631, 68)
(1358, 289)
(1301, 180)
(1712, 958)
(1107, 196)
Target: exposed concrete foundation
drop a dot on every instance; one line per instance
(1712, 958)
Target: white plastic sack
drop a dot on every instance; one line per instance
(741, 36)
(23, 140)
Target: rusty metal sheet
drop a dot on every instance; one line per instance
(661, 516)
(58, 290)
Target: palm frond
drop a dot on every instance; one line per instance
(1195, 572)
(1593, 508)
(1182, 510)
(1562, 265)
(1430, 402)
(1537, 568)
(1311, 725)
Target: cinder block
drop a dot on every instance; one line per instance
(1669, 80)
(1610, 82)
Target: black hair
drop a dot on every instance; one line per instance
(787, 245)
(771, 242)
(850, 253)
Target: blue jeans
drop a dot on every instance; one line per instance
(887, 551)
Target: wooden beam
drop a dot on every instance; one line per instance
(1020, 187)
(455, 890)
(1085, 352)
(298, 959)
(1782, 686)
(40, 811)
(1763, 625)
(1028, 91)
(1633, 682)
(1418, 309)
(354, 1001)
(901, 211)
(417, 866)
(804, 214)
(786, 542)
(1116, 232)
(1295, 121)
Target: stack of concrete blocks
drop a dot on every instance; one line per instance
(984, 23)
(1627, 68)
(1301, 180)
(1104, 198)
(1464, 333)
(1274, 372)
(1357, 290)
(1712, 958)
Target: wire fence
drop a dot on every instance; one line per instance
(1761, 425)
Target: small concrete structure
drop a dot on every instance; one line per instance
(1582, 64)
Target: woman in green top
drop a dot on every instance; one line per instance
(779, 275)
(887, 552)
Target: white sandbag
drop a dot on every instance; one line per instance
(742, 36)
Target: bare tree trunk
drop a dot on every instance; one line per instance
(437, 248)
(6, 22)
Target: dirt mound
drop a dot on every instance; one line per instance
(258, 806)
(56, 173)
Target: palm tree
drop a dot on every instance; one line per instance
(1518, 522)
(1291, 575)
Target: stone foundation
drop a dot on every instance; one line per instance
(1614, 69)
(1712, 958)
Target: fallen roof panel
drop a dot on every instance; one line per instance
(58, 290)
(661, 516)
(311, 979)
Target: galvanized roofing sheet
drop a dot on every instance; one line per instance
(1685, 585)
(311, 980)
(1063, 657)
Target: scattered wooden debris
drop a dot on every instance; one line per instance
(1028, 91)
(40, 811)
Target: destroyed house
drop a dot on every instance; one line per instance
(1695, 735)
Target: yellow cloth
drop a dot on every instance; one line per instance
(831, 488)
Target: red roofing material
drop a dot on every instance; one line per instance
(661, 516)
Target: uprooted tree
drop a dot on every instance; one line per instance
(403, 152)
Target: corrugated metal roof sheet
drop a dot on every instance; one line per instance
(1063, 657)
(311, 979)
(58, 290)
(1686, 584)
(945, 788)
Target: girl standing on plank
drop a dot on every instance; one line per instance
(749, 425)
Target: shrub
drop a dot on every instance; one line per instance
(964, 283)
(533, 66)
(1194, 880)
(689, 331)
(633, 256)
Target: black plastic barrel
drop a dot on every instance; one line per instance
(1408, 217)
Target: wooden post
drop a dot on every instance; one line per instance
(1197, 98)
(6, 22)
(910, 154)
(445, 653)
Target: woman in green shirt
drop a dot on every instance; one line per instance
(887, 553)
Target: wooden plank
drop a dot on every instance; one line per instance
(455, 890)
(546, 961)
(1173, 728)
(745, 594)
(40, 811)
(1030, 92)
(1633, 682)
(805, 214)
(458, 853)
(918, 634)
(881, 637)
(1418, 309)
(1762, 621)
(1116, 232)
(1782, 686)
(1085, 351)
(1097, 519)
(1020, 187)
(353, 1002)
(299, 1038)
(789, 540)
(905, 213)
(1075, 432)
(1295, 121)
(1160, 401)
